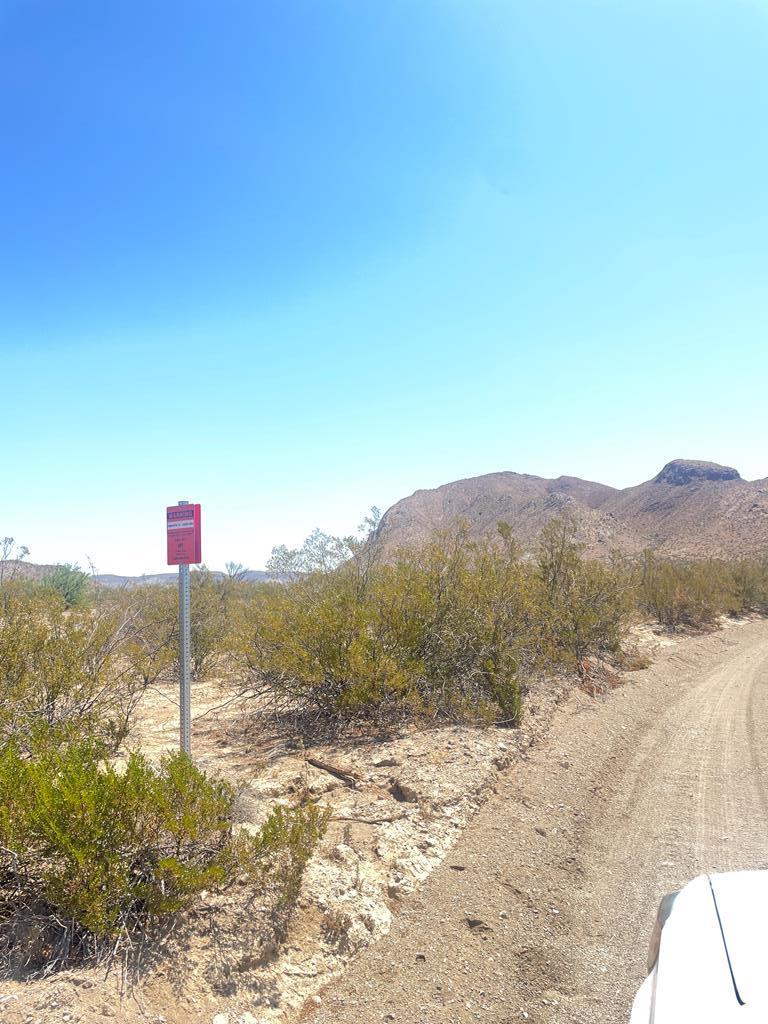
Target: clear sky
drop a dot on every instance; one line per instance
(292, 259)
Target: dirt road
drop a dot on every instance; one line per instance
(543, 910)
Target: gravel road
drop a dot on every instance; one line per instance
(543, 910)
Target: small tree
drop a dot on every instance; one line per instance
(11, 557)
(236, 571)
(71, 583)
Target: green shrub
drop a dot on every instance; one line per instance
(437, 633)
(100, 853)
(152, 613)
(749, 585)
(690, 593)
(71, 583)
(151, 645)
(106, 848)
(63, 668)
(276, 857)
(454, 627)
(208, 626)
(584, 606)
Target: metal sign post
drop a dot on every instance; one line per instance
(183, 528)
(185, 697)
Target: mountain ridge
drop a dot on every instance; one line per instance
(690, 509)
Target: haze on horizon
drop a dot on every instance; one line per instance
(292, 261)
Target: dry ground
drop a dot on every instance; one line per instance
(406, 799)
(543, 910)
(540, 910)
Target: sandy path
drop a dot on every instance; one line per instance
(543, 910)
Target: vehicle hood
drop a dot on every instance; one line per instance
(712, 963)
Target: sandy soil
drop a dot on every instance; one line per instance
(544, 908)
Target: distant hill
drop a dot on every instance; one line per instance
(15, 569)
(31, 571)
(111, 580)
(690, 509)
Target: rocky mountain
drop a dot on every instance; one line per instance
(690, 509)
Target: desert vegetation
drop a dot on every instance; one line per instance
(91, 854)
(453, 629)
(99, 845)
(100, 849)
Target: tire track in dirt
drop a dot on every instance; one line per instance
(758, 740)
(624, 801)
(698, 804)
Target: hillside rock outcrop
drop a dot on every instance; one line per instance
(688, 471)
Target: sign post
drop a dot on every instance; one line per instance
(185, 695)
(183, 536)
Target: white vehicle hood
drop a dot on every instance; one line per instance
(713, 962)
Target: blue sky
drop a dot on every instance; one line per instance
(294, 259)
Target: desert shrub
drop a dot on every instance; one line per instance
(71, 583)
(453, 628)
(62, 668)
(275, 858)
(105, 848)
(209, 620)
(691, 594)
(585, 606)
(433, 633)
(94, 853)
(152, 643)
(465, 612)
(750, 584)
(151, 646)
(153, 613)
(315, 645)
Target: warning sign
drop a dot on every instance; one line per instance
(183, 532)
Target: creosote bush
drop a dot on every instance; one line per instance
(452, 629)
(437, 634)
(276, 857)
(696, 593)
(584, 607)
(94, 852)
(152, 640)
(63, 668)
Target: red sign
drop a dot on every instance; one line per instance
(183, 523)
